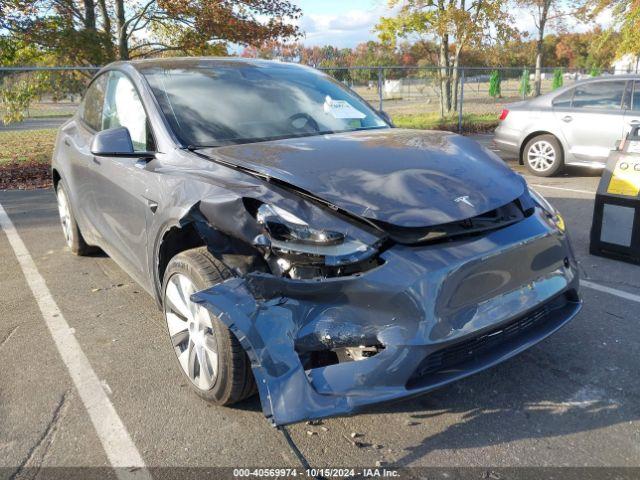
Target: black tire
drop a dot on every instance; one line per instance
(531, 156)
(72, 234)
(234, 380)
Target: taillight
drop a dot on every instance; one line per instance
(504, 114)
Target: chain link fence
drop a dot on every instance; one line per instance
(41, 92)
(45, 92)
(34, 101)
(406, 92)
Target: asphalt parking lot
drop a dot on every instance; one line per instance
(573, 400)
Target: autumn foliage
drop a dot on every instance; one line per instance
(98, 31)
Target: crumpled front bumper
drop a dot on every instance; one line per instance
(442, 312)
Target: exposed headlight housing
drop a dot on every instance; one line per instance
(294, 241)
(286, 227)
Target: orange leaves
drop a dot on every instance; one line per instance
(151, 27)
(235, 21)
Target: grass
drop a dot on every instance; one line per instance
(48, 114)
(471, 122)
(22, 146)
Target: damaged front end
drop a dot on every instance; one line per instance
(350, 315)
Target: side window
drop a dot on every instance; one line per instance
(600, 95)
(123, 108)
(564, 99)
(635, 98)
(93, 101)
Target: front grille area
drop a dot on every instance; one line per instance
(480, 224)
(474, 349)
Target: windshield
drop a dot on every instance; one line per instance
(241, 103)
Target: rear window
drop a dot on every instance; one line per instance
(600, 95)
(635, 102)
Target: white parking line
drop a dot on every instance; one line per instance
(117, 444)
(539, 185)
(611, 291)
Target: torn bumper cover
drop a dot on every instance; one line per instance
(432, 315)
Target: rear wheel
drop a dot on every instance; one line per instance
(543, 156)
(70, 230)
(208, 354)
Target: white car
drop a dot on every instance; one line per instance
(575, 125)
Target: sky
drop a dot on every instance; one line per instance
(346, 23)
(342, 23)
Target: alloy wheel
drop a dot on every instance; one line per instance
(65, 216)
(191, 332)
(541, 156)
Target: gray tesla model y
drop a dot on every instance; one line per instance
(301, 246)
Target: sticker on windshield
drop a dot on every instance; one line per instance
(341, 109)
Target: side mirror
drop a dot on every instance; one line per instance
(116, 142)
(385, 116)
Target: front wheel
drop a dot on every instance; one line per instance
(72, 235)
(543, 156)
(207, 353)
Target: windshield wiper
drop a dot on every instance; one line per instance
(241, 141)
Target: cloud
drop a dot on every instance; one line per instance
(348, 27)
(345, 29)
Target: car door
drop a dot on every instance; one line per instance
(593, 122)
(632, 115)
(122, 191)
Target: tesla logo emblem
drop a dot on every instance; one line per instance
(464, 199)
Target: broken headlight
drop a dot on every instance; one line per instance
(294, 241)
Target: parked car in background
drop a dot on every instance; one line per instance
(575, 125)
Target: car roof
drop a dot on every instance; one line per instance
(204, 62)
(626, 76)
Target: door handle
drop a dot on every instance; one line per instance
(567, 118)
(634, 122)
(153, 205)
(141, 163)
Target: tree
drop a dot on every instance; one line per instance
(557, 79)
(546, 12)
(525, 83)
(603, 48)
(17, 94)
(626, 20)
(274, 50)
(627, 17)
(584, 50)
(494, 85)
(541, 10)
(96, 31)
(454, 24)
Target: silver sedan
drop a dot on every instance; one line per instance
(575, 125)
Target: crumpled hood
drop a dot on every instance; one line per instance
(407, 178)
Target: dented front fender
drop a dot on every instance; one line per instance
(437, 314)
